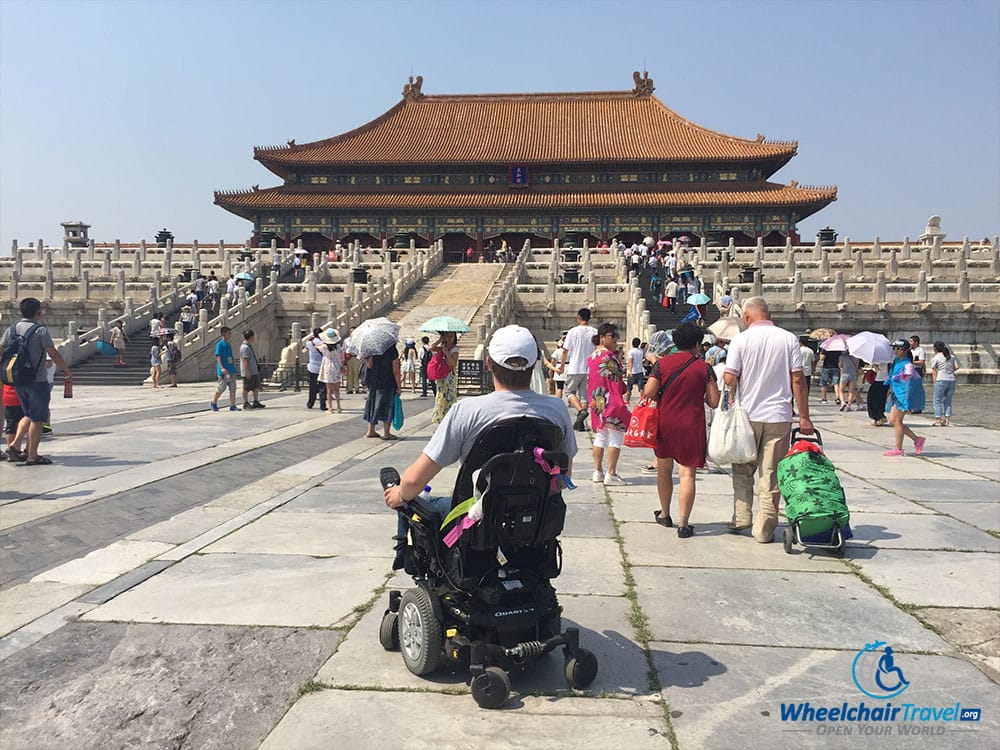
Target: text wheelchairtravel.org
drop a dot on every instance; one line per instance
(805, 712)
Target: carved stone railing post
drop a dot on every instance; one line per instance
(85, 285)
(928, 264)
(838, 287)
(48, 284)
(220, 254)
(76, 263)
(893, 265)
(18, 258)
(203, 326)
(40, 249)
(877, 249)
(350, 286)
(91, 250)
(936, 247)
(758, 284)
(922, 287)
(847, 248)
(880, 287)
(797, 287)
(963, 287)
(106, 264)
(591, 289)
(817, 249)
(47, 262)
(824, 263)
(906, 251)
(15, 277)
(790, 265)
(136, 267)
(724, 264)
(142, 250)
(154, 291)
(120, 284)
(859, 264)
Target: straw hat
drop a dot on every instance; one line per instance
(330, 336)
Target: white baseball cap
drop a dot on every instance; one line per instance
(513, 342)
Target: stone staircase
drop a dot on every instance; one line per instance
(102, 370)
(667, 320)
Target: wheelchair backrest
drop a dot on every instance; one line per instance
(520, 507)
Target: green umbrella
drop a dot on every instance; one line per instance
(443, 323)
(698, 299)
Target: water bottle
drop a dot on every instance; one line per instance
(426, 494)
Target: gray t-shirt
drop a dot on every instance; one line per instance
(40, 341)
(246, 352)
(467, 419)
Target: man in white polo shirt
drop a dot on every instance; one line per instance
(764, 365)
(577, 346)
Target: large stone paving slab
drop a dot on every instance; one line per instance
(935, 579)
(105, 685)
(784, 608)
(918, 532)
(313, 534)
(590, 566)
(604, 629)
(363, 720)
(235, 589)
(713, 546)
(184, 526)
(105, 564)
(983, 515)
(23, 603)
(588, 519)
(942, 490)
(731, 696)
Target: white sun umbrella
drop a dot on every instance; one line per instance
(871, 347)
(374, 336)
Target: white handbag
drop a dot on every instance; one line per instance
(731, 439)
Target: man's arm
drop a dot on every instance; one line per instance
(731, 379)
(802, 402)
(416, 476)
(57, 359)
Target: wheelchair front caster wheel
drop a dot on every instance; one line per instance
(388, 633)
(581, 669)
(491, 688)
(789, 541)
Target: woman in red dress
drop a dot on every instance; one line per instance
(681, 430)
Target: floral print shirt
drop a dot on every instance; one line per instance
(605, 391)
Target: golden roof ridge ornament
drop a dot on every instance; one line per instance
(411, 89)
(643, 84)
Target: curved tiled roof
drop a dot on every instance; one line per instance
(729, 194)
(589, 127)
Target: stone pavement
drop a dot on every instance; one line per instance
(189, 579)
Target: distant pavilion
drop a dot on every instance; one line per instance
(475, 168)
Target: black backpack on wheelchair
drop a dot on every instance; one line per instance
(487, 601)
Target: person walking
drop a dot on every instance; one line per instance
(682, 384)
(609, 416)
(409, 364)
(118, 341)
(352, 368)
(764, 366)
(850, 398)
(943, 369)
(829, 374)
(332, 366)
(446, 389)
(906, 395)
(384, 381)
(34, 396)
(670, 293)
(250, 372)
(877, 391)
(808, 360)
(579, 345)
(225, 370)
(187, 319)
(314, 348)
(155, 361)
(636, 373)
(173, 355)
(424, 350)
(557, 368)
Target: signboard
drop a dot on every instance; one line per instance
(518, 175)
(471, 374)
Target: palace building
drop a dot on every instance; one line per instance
(475, 168)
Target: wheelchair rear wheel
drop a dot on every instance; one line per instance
(420, 636)
(388, 632)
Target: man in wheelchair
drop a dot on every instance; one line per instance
(483, 595)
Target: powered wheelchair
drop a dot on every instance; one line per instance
(486, 600)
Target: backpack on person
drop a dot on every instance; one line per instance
(425, 357)
(17, 367)
(173, 353)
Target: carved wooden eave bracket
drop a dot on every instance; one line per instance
(643, 84)
(411, 89)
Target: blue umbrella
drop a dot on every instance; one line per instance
(698, 299)
(244, 276)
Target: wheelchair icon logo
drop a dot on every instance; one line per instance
(876, 673)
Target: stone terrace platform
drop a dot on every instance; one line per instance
(188, 579)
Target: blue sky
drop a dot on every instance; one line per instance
(129, 114)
